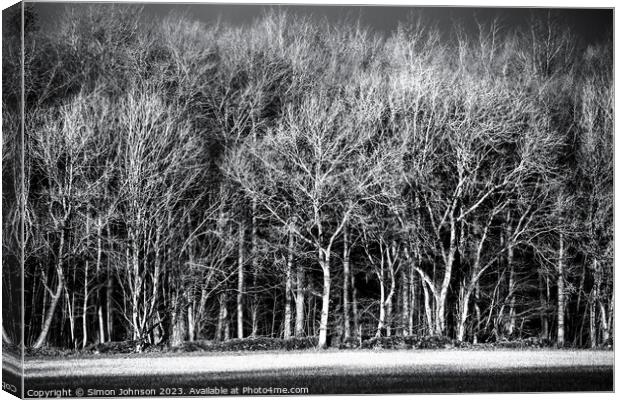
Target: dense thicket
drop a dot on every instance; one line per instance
(295, 178)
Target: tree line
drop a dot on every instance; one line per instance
(294, 177)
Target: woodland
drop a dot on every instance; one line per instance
(293, 177)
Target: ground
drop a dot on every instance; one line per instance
(355, 371)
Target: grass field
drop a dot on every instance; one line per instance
(434, 371)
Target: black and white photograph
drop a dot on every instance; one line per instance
(215, 199)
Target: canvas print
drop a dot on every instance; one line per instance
(254, 199)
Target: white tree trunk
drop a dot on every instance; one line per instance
(561, 294)
(460, 331)
(202, 304)
(345, 284)
(49, 315)
(85, 307)
(597, 300)
(191, 322)
(389, 301)
(288, 288)
(413, 295)
(445, 284)
(604, 326)
(222, 318)
(405, 303)
(254, 241)
(137, 287)
(100, 323)
(108, 291)
(324, 261)
(381, 322)
(5, 337)
(428, 311)
(299, 301)
(240, 283)
(86, 292)
(511, 293)
(179, 328)
(592, 312)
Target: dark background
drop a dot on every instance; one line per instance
(591, 25)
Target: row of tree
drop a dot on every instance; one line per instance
(186, 181)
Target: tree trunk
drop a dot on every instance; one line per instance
(226, 327)
(604, 325)
(592, 312)
(389, 311)
(324, 258)
(85, 307)
(202, 304)
(427, 310)
(476, 327)
(345, 284)
(254, 240)
(179, 328)
(445, 284)
(511, 292)
(471, 286)
(42, 338)
(191, 322)
(273, 313)
(299, 302)
(413, 305)
(86, 292)
(44, 300)
(604, 329)
(385, 304)
(254, 314)
(544, 320)
(464, 313)
(288, 288)
(158, 331)
(137, 286)
(610, 316)
(381, 322)
(405, 303)
(98, 278)
(240, 283)
(561, 294)
(108, 304)
(390, 298)
(222, 317)
(5, 337)
(71, 311)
